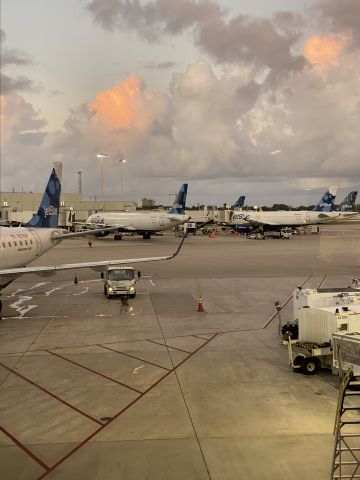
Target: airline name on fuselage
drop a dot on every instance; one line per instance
(50, 210)
(97, 219)
(241, 216)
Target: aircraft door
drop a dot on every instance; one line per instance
(37, 240)
(307, 218)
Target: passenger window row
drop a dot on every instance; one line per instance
(15, 244)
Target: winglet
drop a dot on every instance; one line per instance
(179, 247)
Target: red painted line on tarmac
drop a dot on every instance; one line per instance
(195, 351)
(26, 450)
(93, 371)
(51, 394)
(136, 358)
(198, 336)
(165, 345)
(84, 442)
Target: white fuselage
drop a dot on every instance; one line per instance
(20, 246)
(137, 222)
(288, 218)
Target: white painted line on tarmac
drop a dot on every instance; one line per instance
(137, 369)
(152, 283)
(86, 289)
(40, 316)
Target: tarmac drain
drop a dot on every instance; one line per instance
(105, 419)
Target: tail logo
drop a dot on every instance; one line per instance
(49, 211)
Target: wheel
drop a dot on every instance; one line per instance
(118, 236)
(310, 366)
(106, 293)
(1, 306)
(146, 236)
(132, 295)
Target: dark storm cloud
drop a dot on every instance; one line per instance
(239, 39)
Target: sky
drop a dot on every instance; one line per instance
(252, 98)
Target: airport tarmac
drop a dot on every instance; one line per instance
(91, 388)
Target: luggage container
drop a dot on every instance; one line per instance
(346, 352)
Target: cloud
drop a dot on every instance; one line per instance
(324, 51)
(155, 17)
(12, 56)
(341, 16)
(244, 39)
(160, 65)
(240, 39)
(221, 128)
(18, 84)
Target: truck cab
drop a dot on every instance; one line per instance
(120, 281)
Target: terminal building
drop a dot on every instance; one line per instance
(18, 207)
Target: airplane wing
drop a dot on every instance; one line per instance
(97, 266)
(59, 235)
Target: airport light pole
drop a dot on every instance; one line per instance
(101, 157)
(122, 160)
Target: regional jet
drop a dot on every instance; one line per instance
(145, 224)
(20, 246)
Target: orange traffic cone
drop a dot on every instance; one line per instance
(200, 307)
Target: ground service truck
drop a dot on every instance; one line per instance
(120, 281)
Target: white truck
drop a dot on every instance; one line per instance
(319, 314)
(120, 281)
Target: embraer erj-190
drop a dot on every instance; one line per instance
(20, 246)
(146, 223)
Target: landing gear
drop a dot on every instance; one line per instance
(118, 236)
(146, 236)
(0, 307)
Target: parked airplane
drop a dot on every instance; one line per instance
(239, 203)
(327, 201)
(20, 246)
(348, 204)
(291, 218)
(146, 223)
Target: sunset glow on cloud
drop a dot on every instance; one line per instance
(323, 51)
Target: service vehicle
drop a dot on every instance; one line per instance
(318, 315)
(119, 280)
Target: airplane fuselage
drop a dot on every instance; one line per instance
(20, 246)
(137, 222)
(286, 218)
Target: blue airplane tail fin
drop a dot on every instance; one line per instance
(47, 215)
(240, 202)
(348, 204)
(327, 201)
(180, 200)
